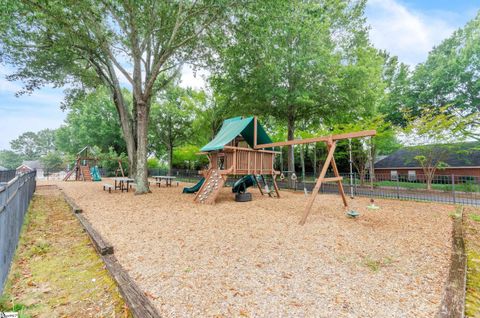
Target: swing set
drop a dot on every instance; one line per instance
(331, 143)
(242, 147)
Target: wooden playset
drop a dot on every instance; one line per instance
(242, 147)
(82, 168)
(232, 152)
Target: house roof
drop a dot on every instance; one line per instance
(33, 164)
(233, 127)
(3, 168)
(465, 154)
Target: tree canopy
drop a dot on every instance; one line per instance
(298, 61)
(114, 42)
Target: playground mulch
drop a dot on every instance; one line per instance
(253, 259)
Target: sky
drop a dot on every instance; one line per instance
(406, 28)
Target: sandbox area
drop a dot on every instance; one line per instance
(253, 259)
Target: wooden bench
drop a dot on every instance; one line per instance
(107, 186)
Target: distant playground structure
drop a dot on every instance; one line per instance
(243, 148)
(84, 170)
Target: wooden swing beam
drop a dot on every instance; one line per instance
(331, 142)
(358, 134)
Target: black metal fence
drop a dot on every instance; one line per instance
(453, 189)
(14, 199)
(7, 175)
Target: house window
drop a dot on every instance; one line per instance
(393, 175)
(412, 175)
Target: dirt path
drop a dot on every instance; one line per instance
(56, 271)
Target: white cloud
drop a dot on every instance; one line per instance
(404, 32)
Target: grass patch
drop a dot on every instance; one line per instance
(458, 212)
(472, 244)
(56, 271)
(412, 185)
(475, 217)
(376, 264)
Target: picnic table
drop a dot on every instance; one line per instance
(122, 183)
(168, 180)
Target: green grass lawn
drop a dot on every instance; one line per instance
(56, 271)
(463, 187)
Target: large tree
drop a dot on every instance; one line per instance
(172, 117)
(9, 159)
(448, 83)
(116, 43)
(31, 145)
(92, 120)
(297, 61)
(396, 99)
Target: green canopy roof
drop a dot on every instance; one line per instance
(233, 127)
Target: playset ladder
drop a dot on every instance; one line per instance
(85, 172)
(331, 145)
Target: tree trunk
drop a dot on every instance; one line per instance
(170, 159)
(291, 155)
(429, 176)
(429, 183)
(126, 120)
(362, 173)
(302, 158)
(141, 177)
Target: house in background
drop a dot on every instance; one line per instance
(29, 166)
(463, 160)
(3, 168)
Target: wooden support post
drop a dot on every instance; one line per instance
(340, 185)
(318, 184)
(275, 186)
(234, 161)
(255, 125)
(261, 163)
(258, 184)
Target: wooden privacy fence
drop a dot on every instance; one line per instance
(14, 199)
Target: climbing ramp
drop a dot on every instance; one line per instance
(212, 186)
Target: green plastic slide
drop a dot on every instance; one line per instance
(242, 184)
(95, 174)
(195, 188)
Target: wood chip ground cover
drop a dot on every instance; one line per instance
(253, 259)
(56, 271)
